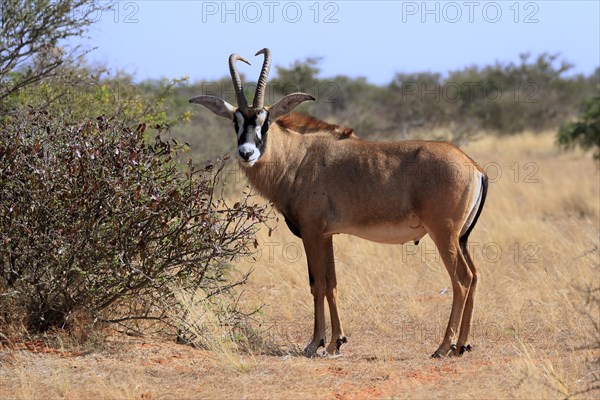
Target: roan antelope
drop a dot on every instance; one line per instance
(325, 180)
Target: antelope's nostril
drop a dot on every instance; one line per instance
(245, 154)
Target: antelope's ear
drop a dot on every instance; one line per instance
(218, 106)
(287, 104)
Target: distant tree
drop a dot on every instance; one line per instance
(31, 37)
(510, 97)
(416, 101)
(585, 132)
(301, 76)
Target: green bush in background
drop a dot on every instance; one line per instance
(585, 131)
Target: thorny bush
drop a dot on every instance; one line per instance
(95, 218)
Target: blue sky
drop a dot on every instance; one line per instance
(373, 39)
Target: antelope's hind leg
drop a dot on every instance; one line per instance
(465, 326)
(461, 277)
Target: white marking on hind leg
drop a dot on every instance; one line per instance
(474, 204)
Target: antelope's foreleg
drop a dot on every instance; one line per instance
(314, 247)
(337, 332)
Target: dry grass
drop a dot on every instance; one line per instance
(536, 246)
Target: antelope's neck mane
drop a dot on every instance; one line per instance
(305, 124)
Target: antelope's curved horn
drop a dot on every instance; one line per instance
(237, 82)
(259, 98)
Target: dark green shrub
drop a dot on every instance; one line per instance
(585, 132)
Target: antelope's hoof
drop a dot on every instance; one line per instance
(439, 353)
(459, 352)
(334, 346)
(311, 350)
(454, 352)
(466, 348)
